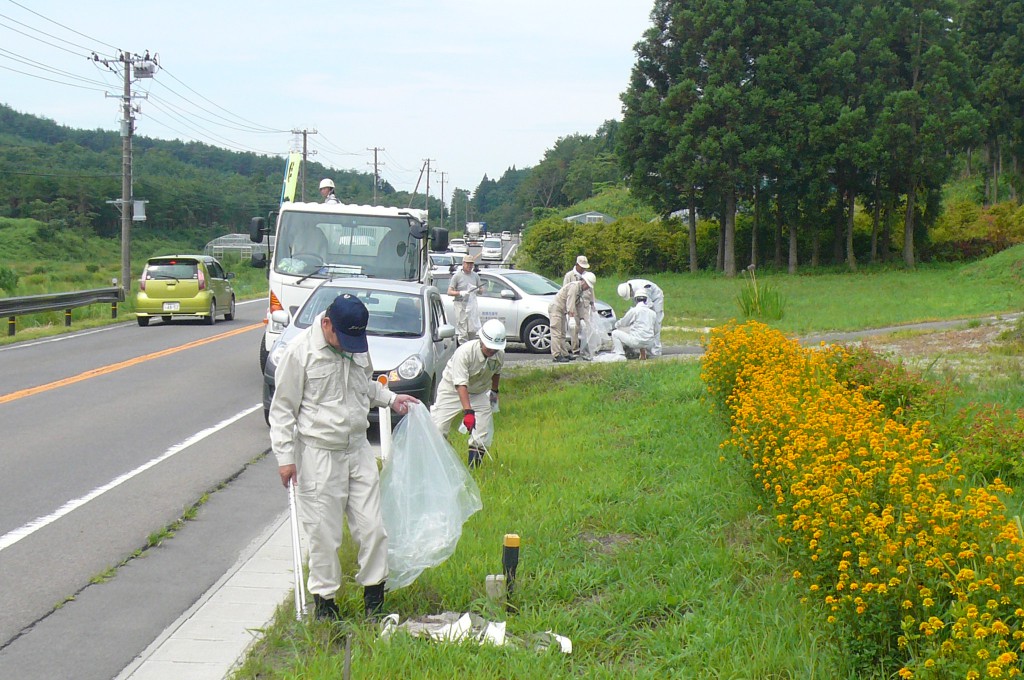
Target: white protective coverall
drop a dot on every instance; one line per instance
(469, 367)
(467, 309)
(318, 421)
(635, 329)
(656, 300)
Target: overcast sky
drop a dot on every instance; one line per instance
(476, 86)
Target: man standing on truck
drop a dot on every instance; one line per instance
(463, 288)
(327, 191)
(318, 422)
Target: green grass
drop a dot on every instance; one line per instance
(639, 542)
(835, 299)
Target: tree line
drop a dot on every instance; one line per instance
(800, 110)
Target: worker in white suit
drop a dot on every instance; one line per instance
(636, 327)
(655, 300)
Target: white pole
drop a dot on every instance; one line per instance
(300, 588)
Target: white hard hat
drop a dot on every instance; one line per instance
(590, 279)
(327, 183)
(492, 334)
(640, 295)
(625, 291)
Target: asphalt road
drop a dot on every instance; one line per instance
(109, 435)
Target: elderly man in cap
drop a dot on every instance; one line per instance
(571, 301)
(463, 287)
(576, 274)
(318, 422)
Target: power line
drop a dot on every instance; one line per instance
(59, 82)
(9, 28)
(43, 67)
(260, 127)
(27, 9)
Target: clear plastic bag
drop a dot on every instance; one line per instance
(426, 496)
(596, 334)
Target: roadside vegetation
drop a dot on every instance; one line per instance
(641, 544)
(660, 553)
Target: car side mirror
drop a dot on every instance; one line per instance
(280, 317)
(229, 275)
(508, 294)
(445, 331)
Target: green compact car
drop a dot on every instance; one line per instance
(184, 285)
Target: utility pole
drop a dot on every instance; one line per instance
(143, 67)
(426, 203)
(305, 152)
(376, 173)
(442, 198)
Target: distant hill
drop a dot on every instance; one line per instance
(66, 176)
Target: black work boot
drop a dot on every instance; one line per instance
(325, 609)
(476, 456)
(373, 600)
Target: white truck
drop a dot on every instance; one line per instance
(313, 242)
(475, 232)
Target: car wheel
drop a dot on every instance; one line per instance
(264, 353)
(212, 318)
(537, 336)
(230, 314)
(143, 320)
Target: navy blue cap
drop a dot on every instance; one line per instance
(348, 318)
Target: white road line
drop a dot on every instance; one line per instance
(12, 537)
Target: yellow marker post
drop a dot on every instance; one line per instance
(510, 561)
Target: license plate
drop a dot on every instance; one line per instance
(172, 306)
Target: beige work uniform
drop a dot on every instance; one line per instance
(570, 276)
(469, 367)
(570, 299)
(318, 421)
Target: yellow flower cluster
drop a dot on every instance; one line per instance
(927, 572)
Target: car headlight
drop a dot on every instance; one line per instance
(407, 370)
(275, 353)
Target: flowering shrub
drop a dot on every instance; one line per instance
(924, 571)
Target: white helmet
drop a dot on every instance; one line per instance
(640, 295)
(327, 183)
(590, 279)
(625, 291)
(492, 334)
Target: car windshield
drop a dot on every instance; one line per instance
(392, 313)
(533, 284)
(492, 243)
(322, 244)
(172, 269)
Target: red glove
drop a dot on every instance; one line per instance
(469, 420)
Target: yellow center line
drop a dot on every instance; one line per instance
(103, 370)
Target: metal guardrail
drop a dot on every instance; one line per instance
(13, 307)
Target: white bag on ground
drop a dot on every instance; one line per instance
(426, 496)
